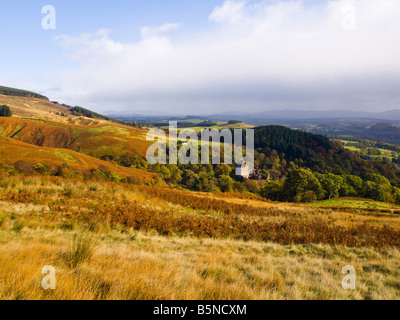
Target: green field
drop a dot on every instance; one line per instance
(355, 203)
(384, 152)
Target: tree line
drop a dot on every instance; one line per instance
(20, 93)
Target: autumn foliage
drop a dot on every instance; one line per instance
(197, 215)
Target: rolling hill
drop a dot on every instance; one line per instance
(44, 132)
(20, 93)
(98, 139)
(12, 152)
(30, 107)
(43, 123)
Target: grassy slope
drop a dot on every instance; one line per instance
(32, 107)
(356, 204)
(12, 151)
(20, 93)
(137, 259)
(97, 138)
(154, 267)
(36, 121)
(37, 134)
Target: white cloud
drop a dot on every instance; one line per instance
(264, 55)
(230, 11)
(154, 31)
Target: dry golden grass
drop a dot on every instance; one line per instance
(170, 212)
(96, 137)
(144, 266)
(12, 151)
(102, 251)
(39, 122)
(33, 108)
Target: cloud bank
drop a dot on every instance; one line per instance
(259, 56)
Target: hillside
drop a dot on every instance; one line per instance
(31, 107)
(20, 93)
(41, 122)
(100, 139)
(295, 144)
(43, 132)
(24, 157)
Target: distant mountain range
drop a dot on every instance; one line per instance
(265, 117)
(377, 126)
(260, 117)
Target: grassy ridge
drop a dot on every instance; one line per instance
(27, 107)
(20, 93)
(12, 151)
(96, 139)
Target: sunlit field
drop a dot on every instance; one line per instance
(117, 241)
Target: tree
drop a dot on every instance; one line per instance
(5, 111)
(44, 170)
(330, 183)
(128, 160)
(115, 177)
(383, 188)
(222, 170)
(225, 183)
(190, 179)
(396, 195)
(273, 191)
(374, 191)
(165, 171)
(208, 184)
(252, 186)
(352, 186)
(176, 177)
(156, 168)
(65, 171)
(298, 183)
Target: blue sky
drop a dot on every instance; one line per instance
(29, 47)
(204, 56)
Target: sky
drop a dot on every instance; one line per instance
(205, 56)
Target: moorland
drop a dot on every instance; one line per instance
(77, 193)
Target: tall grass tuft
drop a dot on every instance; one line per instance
(83, 248)
(18, 226)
